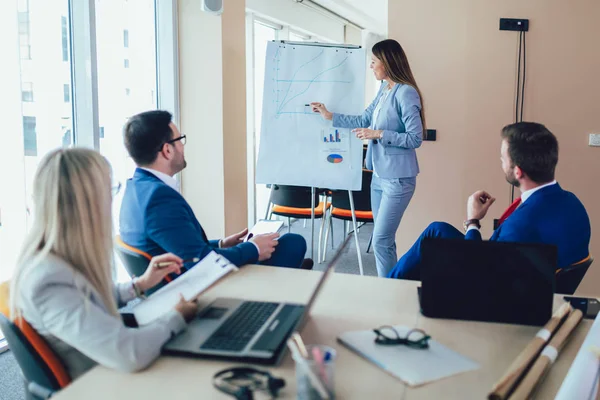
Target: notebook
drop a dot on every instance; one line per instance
(412, 366)
(196, 280)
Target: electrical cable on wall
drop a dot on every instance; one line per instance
(520, 90)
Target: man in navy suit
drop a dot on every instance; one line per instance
(545, 213)
(155, 217)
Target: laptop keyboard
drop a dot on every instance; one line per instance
(241, 326)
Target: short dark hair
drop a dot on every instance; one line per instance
(145, 133)
(533, 148)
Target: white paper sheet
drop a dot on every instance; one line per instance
(581, 381)
(412, 366)
(199, 278)
(297, 146)
(266, 226)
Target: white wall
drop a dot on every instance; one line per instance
(201, 115)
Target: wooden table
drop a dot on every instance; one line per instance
(347, 302)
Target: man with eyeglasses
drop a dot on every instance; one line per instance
(156, 219)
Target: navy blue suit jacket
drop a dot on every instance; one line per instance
(156, 219)
(552, 216)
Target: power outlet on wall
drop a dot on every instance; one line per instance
(514, 24)
(594, 140)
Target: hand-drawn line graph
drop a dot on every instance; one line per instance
(287, 98)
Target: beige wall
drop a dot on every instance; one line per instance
(465, 68)
(213, 114)
(234, 123)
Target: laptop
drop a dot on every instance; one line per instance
(487, 281)
(246, 331)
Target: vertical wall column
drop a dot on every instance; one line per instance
(212, 87)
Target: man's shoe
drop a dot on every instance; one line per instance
(307, 263)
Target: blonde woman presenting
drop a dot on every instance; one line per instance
(63, 285)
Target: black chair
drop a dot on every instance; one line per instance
(136, 262)
(43, 372)
(340, 206)
(296, 202)
(568, 279)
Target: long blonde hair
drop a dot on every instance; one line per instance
(72, 220)
(396, 65)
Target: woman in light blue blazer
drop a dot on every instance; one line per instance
(63, 286)
(394, 123)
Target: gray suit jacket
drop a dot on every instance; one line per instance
(394, 155)
(63, 307)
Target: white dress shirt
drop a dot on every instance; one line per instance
(167, 179)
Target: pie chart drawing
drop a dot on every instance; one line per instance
(335, 158)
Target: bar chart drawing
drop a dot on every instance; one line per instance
(333, 137)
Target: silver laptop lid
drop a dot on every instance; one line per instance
(328, 269)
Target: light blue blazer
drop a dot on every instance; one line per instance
(393, 156)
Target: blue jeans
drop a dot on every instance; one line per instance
(389, 199)
(409, 266)
(289, 252)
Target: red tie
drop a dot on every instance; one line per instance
(509, 211)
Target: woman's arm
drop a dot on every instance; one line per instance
(124, 293)
(356, 121)
(409, 107)
(348, 121)
(69, 316)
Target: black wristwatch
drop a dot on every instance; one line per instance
(469, 222)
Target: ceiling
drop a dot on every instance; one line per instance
(369, 14)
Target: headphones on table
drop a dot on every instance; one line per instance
(241, 382)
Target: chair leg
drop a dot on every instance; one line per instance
(323, 222)
(370, 241)
(304, 223)
(268, 212)
(345, 229)
(329, 225)
(289, 225)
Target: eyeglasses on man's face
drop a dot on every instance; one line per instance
(182, 138)
(388, 336)
(116, 188)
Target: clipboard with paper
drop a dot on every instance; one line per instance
(196, 280)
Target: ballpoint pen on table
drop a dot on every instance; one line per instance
(186, 261)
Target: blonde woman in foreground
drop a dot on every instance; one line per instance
(63, 282)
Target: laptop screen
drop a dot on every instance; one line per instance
(328, 270)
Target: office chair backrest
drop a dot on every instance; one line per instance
(362, 198)
(293, 196)
(568, 279)
(36, 359)
(136, 261)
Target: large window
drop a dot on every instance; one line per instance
(263, 33)
(50, 78)
(33, 72)
(126, 43)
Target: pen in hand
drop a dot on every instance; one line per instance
(167, 263)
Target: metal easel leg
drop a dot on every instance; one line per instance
(360, 266)
(312, 223)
